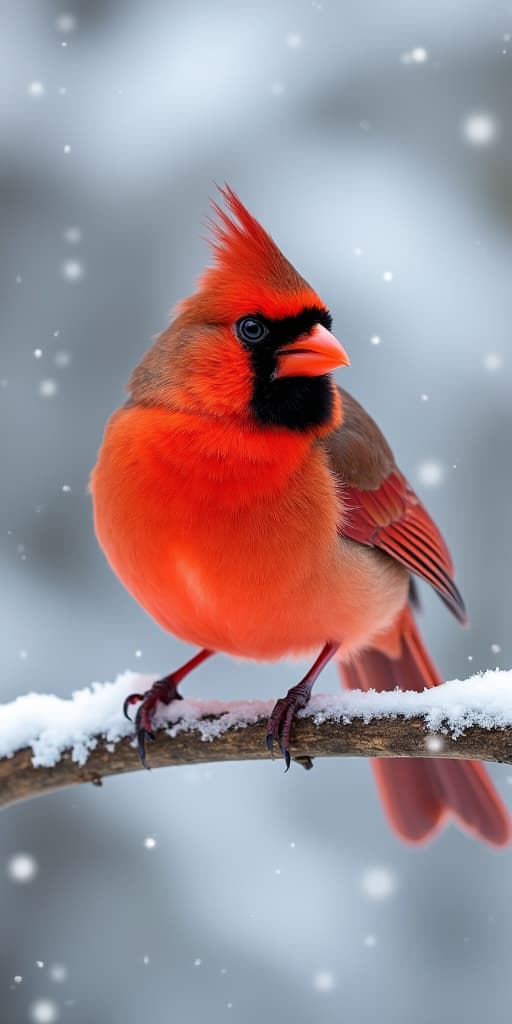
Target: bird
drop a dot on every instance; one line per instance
(254, 508)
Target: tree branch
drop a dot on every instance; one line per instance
(350, 725)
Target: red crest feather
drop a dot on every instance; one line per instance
(250, 273)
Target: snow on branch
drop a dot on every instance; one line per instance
(47, 742)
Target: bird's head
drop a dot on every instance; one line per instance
(253, 342)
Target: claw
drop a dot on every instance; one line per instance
(270, 743)
(132, 699)
(141, 747)
(280, 723)
(164, 690)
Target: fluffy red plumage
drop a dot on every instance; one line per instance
(254, 508)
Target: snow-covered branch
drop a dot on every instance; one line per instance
(47, 743)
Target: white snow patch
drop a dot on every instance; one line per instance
(50, 725)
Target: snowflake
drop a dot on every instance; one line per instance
(480, 129)
(22, 868)
(324, 981)
(430, 472)
(48, 388)
(378, 882)
(43, 1011)
(36, 89)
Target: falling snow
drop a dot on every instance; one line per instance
(62, 358)
(324, 981)
(48, 388)
(430, 473)
(434, 744)
(378, 882)
(43, 1011)
(22, 868)
(72, 235)
(480, 129)
(492, 362)
(36, 89)
(72, 270)
(65, 22)
(150, 843)
(58, 973)
(418, 55)
(375, 339)
(387, 276)
(294, 40)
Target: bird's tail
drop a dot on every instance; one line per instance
(418, 795)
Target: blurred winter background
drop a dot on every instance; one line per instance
(374, 142)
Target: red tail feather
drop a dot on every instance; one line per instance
(418, 795)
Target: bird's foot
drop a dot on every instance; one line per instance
(280, 723)
(164, 690)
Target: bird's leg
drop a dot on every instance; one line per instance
(280, 723)
(164, 690)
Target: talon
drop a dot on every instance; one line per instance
(141, 737)
(270, 743)
(164, 691)
(132, 699)
(286, 755)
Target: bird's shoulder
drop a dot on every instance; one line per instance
(357, 450)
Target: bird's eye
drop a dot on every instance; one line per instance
(251, 330)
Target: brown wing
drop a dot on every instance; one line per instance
(381, 510)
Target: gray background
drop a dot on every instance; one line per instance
(336, 145)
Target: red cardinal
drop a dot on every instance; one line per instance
(253, 507)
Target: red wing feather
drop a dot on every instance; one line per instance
(392, 518)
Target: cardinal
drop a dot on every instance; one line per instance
(253, 507)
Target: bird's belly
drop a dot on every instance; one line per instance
(266, 604)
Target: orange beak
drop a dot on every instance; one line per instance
(311, 355)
